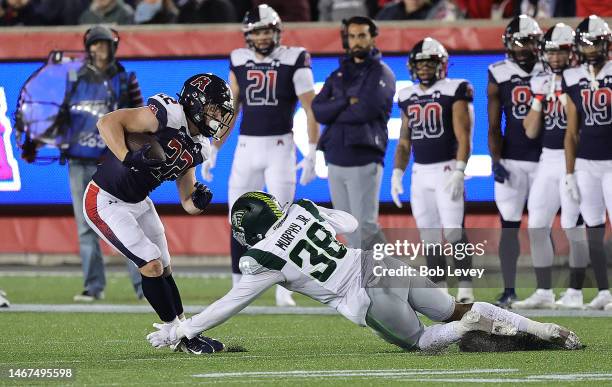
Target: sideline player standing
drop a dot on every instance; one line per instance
(116, 202)
(298, 249)
(547, 118)
(267, 80)
(515, 156)
(588, 141)
(436, 125)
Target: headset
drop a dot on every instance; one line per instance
(356, 20)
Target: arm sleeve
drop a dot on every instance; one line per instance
(465, 92)
(303, 80)
(375, 99)
(325, 108)
(341, 221)
(158, 108)
(238, 298)
(134, 92)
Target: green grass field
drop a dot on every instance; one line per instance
(110, 349)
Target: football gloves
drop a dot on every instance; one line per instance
(455, 184)
(307, 165)
(209, 164)
(571, 185)
(201, 196)
(167, 335)
(397, 188)
(500, 173)
(139, 159)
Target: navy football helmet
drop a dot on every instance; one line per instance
(264, 17)
(207, 102)
(521, 39)
(593, 31)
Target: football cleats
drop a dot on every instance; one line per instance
(428, 61)
(521, 39)
(264, 17)
(98, 33)
(593, 31)
(207, 102)
(252, 216)
(560, 37)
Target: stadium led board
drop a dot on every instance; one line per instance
(22, 183)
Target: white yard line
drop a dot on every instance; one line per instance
(251, 310)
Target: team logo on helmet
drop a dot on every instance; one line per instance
(200, 82)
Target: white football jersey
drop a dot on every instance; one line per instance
(303, 247)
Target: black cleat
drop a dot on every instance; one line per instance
(194, 346)
(506, 299)
(216, 344)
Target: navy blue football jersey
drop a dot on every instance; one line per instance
(515, 98)
(554, 118)
(594, 106)
(430, 118)
(182, 152)
(268, 88)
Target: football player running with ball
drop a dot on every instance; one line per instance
(267, 80)
(515, 156)
(547, 119)
(588, 142)
(116, 202)
(297, 248)
(437, 121)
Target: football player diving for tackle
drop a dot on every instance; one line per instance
(547, 119)
(588, 142)
(267, 80)
(296, 247)
(515, 156)
(437, 121)
(116, 202)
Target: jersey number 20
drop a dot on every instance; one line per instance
(318, 238)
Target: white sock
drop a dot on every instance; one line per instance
(236, 278)
(281, 292)
(440, 336)
(495, 313)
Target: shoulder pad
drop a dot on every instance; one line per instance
(449, 86)
(289, 55)
(168, 111)
(240, 56)
(573, 75)
(405, 93)
(310, 207)
(502, 71)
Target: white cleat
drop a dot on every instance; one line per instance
(474, 321)
(563, 336)
(283, 297)
(4, 302)
(465, 295)
(571, 299)
(540, 299)
(602, 299)
(608, 307)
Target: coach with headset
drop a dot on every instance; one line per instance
(100, 86)
(355, 104)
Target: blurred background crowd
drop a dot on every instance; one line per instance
(74, 12)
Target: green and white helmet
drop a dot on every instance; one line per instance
(252, 216)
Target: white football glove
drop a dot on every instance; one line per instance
(397, 188)
(571, 185)
(455, 184)
(167, 335)
(540, 85)
(307, 165)
(209, 164)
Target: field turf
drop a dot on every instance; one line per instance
(110, 349)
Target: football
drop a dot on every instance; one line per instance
(135, 141)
